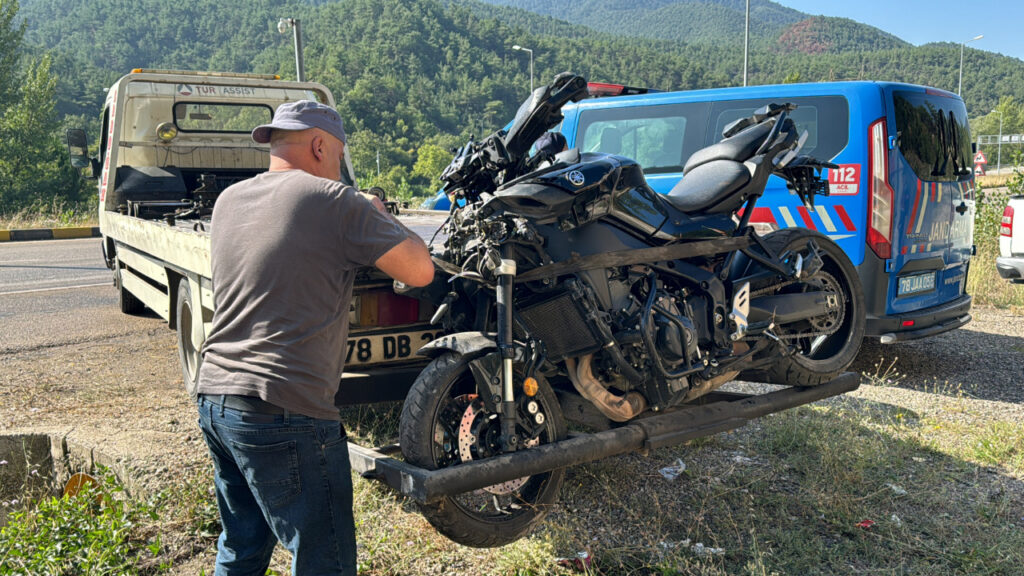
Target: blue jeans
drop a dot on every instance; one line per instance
(281, 478)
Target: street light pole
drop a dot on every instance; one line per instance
(999, 146)
(960, 83)
(282, 26)
(746, 42)
(518, 47)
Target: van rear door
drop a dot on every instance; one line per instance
(933, 184)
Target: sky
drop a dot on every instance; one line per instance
(923, 21)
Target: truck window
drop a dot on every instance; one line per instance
(103, 135)
(660, 138)
(933, 135)
(825, 118)
(203, 117)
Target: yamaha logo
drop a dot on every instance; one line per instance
(576, 178)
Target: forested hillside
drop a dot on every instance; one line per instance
(716, 23)
(414, 77)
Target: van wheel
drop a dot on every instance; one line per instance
(188, 353)
(127, 301)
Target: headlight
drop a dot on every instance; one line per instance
(166, 131)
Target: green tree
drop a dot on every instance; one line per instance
(431, 159)
(34, 170)
(10, 50)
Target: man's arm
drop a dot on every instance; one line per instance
(409, 262)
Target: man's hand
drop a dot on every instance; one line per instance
(377, 202)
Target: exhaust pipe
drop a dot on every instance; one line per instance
(616, 408)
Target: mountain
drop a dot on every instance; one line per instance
(407, 73)
(716, 23)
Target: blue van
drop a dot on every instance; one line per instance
(901, 202)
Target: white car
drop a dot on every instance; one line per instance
(1010, 262)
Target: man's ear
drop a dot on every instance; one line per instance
(317, 147)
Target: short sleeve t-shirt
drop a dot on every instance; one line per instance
(285, 249)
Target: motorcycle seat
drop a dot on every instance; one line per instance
(714, 187)
(737, 148)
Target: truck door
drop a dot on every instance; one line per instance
(933, 198)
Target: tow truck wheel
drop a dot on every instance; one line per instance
(127, 301)
(188, 353)
(445, 423)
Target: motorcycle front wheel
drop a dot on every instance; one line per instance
(822, 357)
(445, 423)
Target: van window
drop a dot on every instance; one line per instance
(660, 138)
(203, 117)
(825, 118)
(933, 136)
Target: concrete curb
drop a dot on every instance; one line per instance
(49, 233)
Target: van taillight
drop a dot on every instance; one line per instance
(880, 193)
(1006, 224)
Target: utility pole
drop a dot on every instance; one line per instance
(282, 26)
(746, 42)
(999, 146)
(960, 83)
(518, 47)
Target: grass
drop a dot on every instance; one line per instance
(783, 496)
(56, 215)
(97, 531)
(983, 281)
(993, 180)
(944, 488)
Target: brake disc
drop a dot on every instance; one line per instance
(476, 431)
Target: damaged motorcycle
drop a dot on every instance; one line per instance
(565, 281)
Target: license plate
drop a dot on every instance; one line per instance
(386, 348)
(918, 283)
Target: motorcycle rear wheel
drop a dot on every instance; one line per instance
(819, 360)
(440, 407)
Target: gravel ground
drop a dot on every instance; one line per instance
(984, 360)
(123, 394)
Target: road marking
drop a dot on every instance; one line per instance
(55, 288)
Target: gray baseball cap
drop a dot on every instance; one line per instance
(302, 115)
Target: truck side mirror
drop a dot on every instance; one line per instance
(974, 147)
(78, 147)
(78, 151)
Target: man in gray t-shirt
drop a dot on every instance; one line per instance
(286, 246)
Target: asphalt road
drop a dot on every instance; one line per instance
(59, 292)
(27, 267)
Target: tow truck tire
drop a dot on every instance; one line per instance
(425, 430)
(818, 365)
(188, 354)
(127, 301)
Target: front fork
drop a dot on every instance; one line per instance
(506, 273)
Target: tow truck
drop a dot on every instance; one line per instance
(170, 143)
